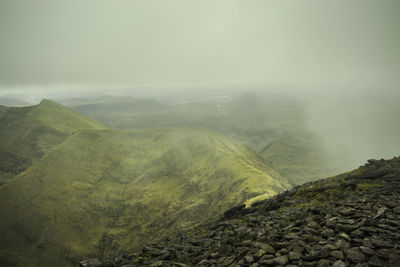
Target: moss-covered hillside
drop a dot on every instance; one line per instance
(27, 133)
(104, 191)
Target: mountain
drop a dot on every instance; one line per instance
(272, 124)
(27, 133)
(352, 219)
(104, 191)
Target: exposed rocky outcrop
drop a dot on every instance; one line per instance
(348, 220)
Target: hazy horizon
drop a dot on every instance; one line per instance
(114, 44)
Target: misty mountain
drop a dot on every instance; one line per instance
(272, 124)
(102, 191)
(196, 133)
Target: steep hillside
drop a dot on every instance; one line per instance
(274, 125)
(29, 132)
(100, 192)
(349, 220)
(297, 155)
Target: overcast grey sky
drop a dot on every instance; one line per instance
(307, 43)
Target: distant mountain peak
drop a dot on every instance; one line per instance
(48, 102)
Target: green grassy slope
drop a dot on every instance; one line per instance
(27, 133)
(274, 125)
(103, 191)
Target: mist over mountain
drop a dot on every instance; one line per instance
(199, 133)
(272, 124)
(348, 123)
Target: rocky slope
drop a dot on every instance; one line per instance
(349, 220)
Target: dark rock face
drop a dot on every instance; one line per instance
(324, 223)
